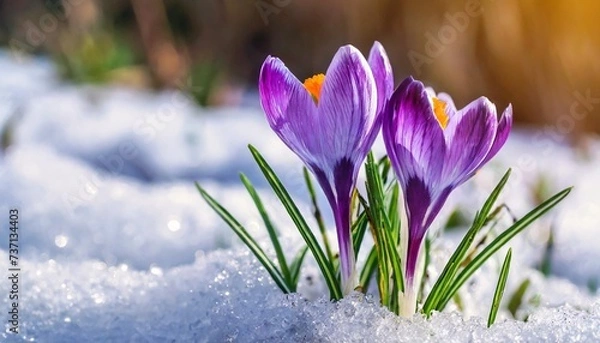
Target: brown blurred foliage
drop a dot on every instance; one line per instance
(539, 55)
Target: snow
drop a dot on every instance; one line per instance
(79, 212)
(151, 137)
(117, 245)
(226, 296)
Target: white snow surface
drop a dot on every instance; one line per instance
(115, 243)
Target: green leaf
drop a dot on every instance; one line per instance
(273, 234)
(546, 264)
(296, 265)
(449, 271)
(441, 287)
(393, 213)
(491, 200)
(359, 228)
(368, 269)
(500, 241)
(517, 299)
(324, 264)
(397, 276)
(386, 244)
(247, 239)
(496, 212)
(458, 302)
(317, 213)
(499, 289)
(376, 212)
(456, 220)
(381, 256)
(385, 165)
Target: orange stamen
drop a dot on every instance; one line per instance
(313, 86)
(439, 109)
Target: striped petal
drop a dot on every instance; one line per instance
(382, 71)
(410, 129)
(417, 201)
(347, 108)
(470, 134)
(289, 108)
(504, 126)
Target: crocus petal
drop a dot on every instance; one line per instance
(403, 162)
(347, 115)
(410, 125)
(440, 199)
(470, 135)
(382, 71)
(384, 80)
(289, 108)
(504, 126)
(417, 201)
(347, 108)
(344, 183)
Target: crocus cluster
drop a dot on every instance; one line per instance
(331, 121)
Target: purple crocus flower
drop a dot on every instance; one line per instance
(434, 148)
(330, 121)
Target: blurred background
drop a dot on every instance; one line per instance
(540, 55)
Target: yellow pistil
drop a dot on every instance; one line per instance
(313, 86)
(439, 109)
